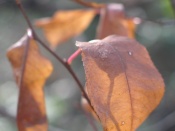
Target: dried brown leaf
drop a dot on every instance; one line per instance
(122, 82)
(65, 24)
(113, 21)
(31, 104)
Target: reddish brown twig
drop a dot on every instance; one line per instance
(62, 61)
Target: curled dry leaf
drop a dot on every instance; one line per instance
(31, 104)
(113, 21)
(122, 82)
(65, 24)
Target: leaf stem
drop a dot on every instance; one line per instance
(73, 56)
(63, 62)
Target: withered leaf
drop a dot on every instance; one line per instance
(65, 24)
(31, 114)
(113, 21)
(122, 82)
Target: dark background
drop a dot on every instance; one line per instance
(157, 33)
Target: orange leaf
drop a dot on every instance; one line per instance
(114, 21)
(122, 82)
(65, 24)
(31, 105)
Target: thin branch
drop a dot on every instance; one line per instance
(25, 15)
(63, 62)
(48, 49)
(73, 56)
(67, 66)
(89, 4)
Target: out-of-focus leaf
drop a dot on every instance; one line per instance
(31, 104)
(65, 24)
(167, 8)
(122, 82)
(113, 21)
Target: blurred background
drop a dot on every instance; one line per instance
(156, 33)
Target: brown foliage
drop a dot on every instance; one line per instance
(65, 24)
(31, 105)
(113, 21)
(122, 83)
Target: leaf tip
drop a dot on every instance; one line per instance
(42, 22)
(94, 41)
(29, 33)
(84, 44)
(116, 6)
(137, 20)
(17, 44)
(80, 44)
